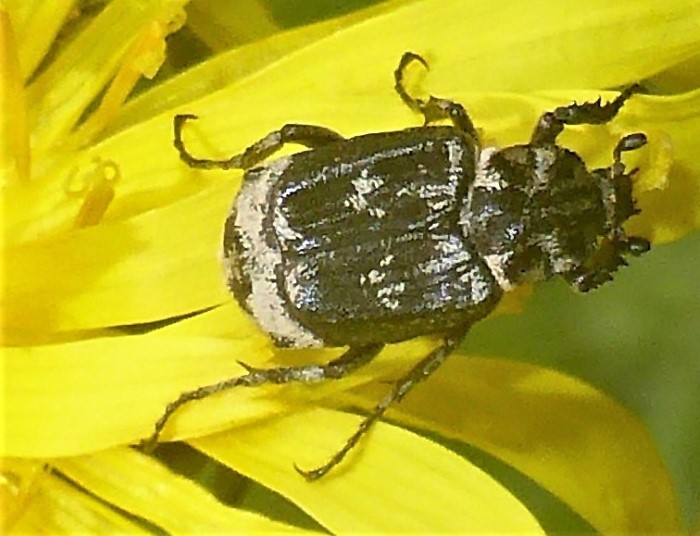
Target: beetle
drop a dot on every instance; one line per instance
(386, 236)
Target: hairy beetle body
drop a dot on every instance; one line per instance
(359, 241)
(383, 237)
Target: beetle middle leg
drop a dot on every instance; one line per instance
(424, 368)
(351, 360)
(434, 108)
(309, 135)
(552, 123)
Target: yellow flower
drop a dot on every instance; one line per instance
(104, 227)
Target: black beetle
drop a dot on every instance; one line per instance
(383, 237)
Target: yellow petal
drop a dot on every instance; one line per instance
(555, 50)
(228, 67)
(37, 24)
(62, 92)
(169, 501)
(570, 438)
(674, 205)
(14, 136)
(679, 78)
(45, 503)
(83, 396)
(419, 484)
(503, 45)
(221, 28)
(117, 387)
(127, 273)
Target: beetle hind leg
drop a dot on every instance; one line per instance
(424, 368)
(349, 361)
(434, 108)
(309, 135)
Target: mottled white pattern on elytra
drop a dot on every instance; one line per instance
(513, 230)
(386, 260)
(440, 205)
(282, 228)
(497, 264)
(376, 212)
(388, 296)
(404, 190)
(357, 202)
(265, 301)
(297, 292)
(450, 253)
(373, 277)
(430, 191)
(364, 185)
(439, 196)
(480, 289)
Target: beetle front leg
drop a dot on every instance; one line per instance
(309, 135)
(552, 123)
(433, 109)
(351, 360)
(615, 184)
(424, 368)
